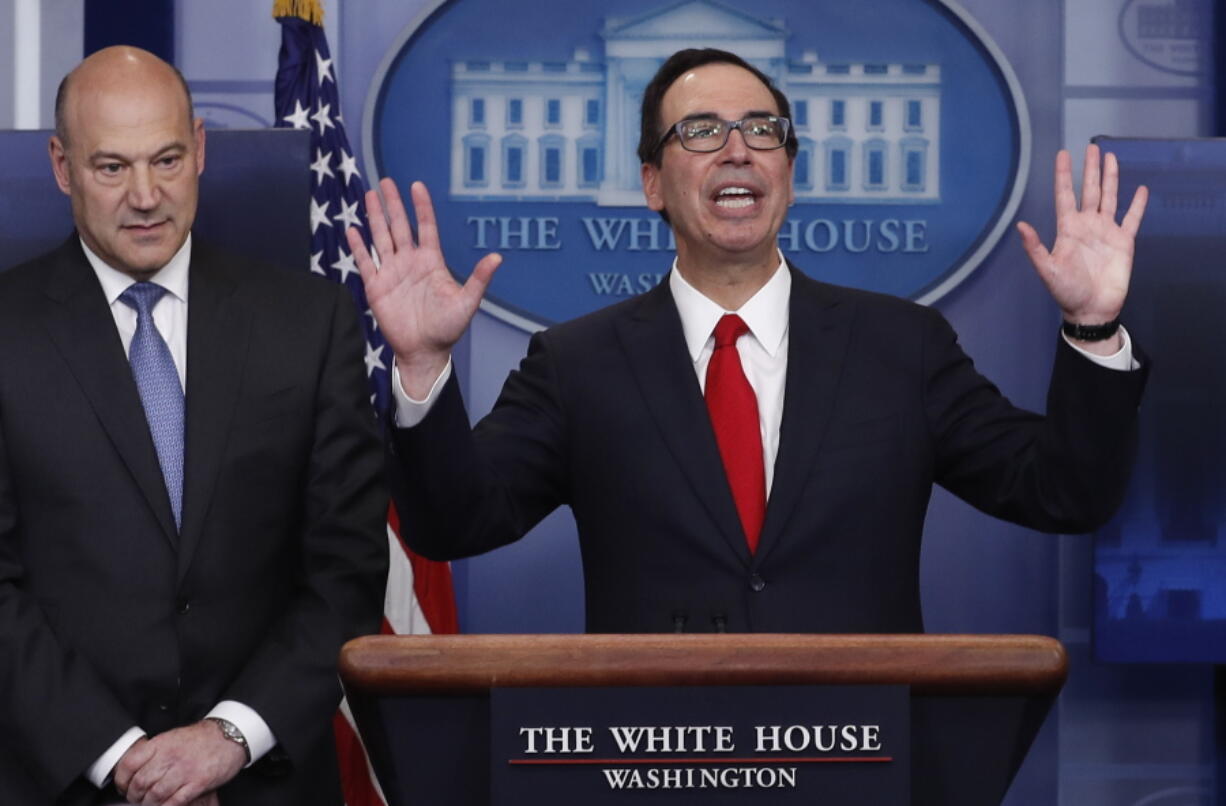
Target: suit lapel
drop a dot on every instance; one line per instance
(655, 346)
(819, 327)
(80, 324)
(217, 334)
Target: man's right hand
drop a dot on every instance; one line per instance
(418, 305)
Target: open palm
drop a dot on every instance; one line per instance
(1089, 266)
(419, 306)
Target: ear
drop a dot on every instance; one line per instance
(650, 175)
(198, 133)
(59, 164)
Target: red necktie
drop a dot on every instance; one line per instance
(734, 416)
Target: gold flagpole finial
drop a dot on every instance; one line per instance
(309, 10)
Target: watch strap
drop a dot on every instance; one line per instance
(230, 731)
(1091, 332)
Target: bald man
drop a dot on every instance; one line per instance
(191, 517)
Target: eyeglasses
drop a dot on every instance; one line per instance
(761, 133)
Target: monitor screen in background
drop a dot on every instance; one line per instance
(1160, 565)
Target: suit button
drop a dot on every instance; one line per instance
(163, 706)
(757, 583)
(182, 606)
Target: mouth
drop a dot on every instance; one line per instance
(735, 197)
(145, 227)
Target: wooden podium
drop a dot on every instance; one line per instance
(422, 702)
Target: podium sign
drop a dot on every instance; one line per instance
(773, 745)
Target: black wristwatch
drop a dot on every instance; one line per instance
(231, 732)
(1091, 332)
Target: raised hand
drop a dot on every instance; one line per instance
(1089, 266)
(419, 306)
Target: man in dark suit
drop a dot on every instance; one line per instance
(781, 484)
(191, 510)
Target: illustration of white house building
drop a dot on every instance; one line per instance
(537, 130)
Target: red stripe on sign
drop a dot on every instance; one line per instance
(616, 761)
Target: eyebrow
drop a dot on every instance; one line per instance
(112, 155)
(753, 113)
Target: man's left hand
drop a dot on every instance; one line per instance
(182, 765)
(1089, 266)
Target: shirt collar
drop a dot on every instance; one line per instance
(172, 276)
(766, 312)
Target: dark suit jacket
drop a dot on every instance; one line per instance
(108, 617)
(605, 414)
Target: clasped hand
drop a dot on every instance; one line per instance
(181, 767)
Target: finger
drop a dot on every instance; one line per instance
(146, 778)
(1034, 247)
(161, 793)
(479, 280)
(357, 248)
(1136, 210)
(378, 224)
(131, 762)
(1111, 186)
(187, 795)
(397, 216)
(423, 209)
(1066, 202)
(1091, 180)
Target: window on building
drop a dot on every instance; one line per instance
(591, 112)
(915, 120)
(874, 165)
(515, 166)
(553, 166)
(838, 114)
(837, 163)
(553, 112)
(476, 112)
(876, 114)
(803, 168)
(476, 160)
(515, 112)
(514, 149)
(800, 113)
(914, 164)
(476, 165)
(876, 69)
(589, 162)
(838, 69)
(551, 161)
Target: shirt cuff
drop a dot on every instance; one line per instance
(410, 412)
(254, 729)
(99, 773)
(1121, 360)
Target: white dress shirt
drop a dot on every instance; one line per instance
(763, 351)
(170, 318)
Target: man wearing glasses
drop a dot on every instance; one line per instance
(744, 448)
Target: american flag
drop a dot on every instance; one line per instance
(419, 597)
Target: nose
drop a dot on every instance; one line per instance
(735, 150)
(143, 193)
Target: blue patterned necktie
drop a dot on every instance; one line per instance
(157, 380)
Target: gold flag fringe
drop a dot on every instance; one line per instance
(309, 10)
